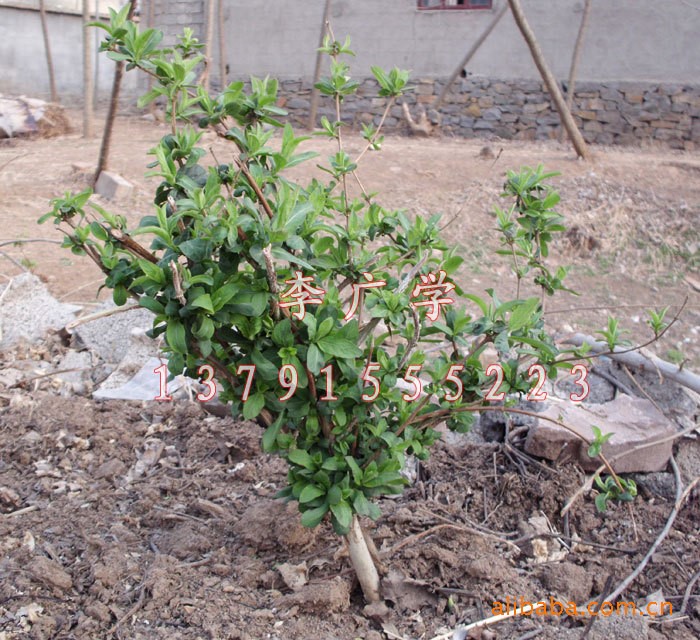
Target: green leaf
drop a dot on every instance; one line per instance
(302, 458)
(601, 502)
(342, 512)
(204, 302)
(309, 493)
(523, 314)
(339, 347)
(119, 295)
(314, 359)
(253, 405)
(175, 335)
(270, 436)
(282, 333)
(313, 517)
(151, 304)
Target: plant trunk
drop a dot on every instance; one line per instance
(209, 45)
(549, 80)
(47, 47)
(317, 71)
(222, 43)
(576, 56)
(471, 53)
(103, 161)
(362, 562)
(88, 113)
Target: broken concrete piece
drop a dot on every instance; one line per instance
(28, 311)
(633, 421)
(107, 336)
(144, 385)
(112, 186)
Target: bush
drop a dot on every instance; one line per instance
(308, 304)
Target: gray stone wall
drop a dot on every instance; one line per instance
(607, 113)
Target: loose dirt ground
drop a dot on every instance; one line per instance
(195, 546)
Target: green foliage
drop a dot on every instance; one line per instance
(236, 248)
(614, 488)
(613, 334)
(598, 441)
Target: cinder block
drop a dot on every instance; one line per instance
(112, 186)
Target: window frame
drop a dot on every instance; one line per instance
(467, 6)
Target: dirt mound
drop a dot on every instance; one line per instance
(190, 545)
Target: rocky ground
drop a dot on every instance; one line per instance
(136, 519)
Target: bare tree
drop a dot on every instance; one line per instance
(576, 57)
(222, 43)
(103, 160)
(47, 47)
(549, 80)
(88, 113)
(471, 53)
(209, 45)
(313, 109)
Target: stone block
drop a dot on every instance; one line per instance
(485, 102)
(112, 186)
(483, 124)
(494, 113)
(632, 421)
(587, 115)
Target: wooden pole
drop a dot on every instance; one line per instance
(471, 53)
(88, 113)
(103, 161)
(313, 108)
(221, 32)
(576, 57)
(47, 48)
(209, 45)
(549, 81)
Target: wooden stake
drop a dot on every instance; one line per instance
(549, 81)
(471, 53)
(88, 113)
(576, 57)
(222, 44)
(102, 162)
(47, 47)
(313, 109)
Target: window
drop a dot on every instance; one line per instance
(455, 4)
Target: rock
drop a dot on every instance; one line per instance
(619, 627)
(633, 421)
(108, 335)
(661, 484)
(77, 367)
(50, 572)
(112, 186)
(99, 612)
(28, 311)
(320, 597)
(142, 385)
(568, 582)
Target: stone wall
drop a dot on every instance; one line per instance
(607, 113)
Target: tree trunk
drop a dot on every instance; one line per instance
(551, 84)
(471, 53)
(88, 113)
(150, 24)
(209, 45)
(103, 161)
(47, 48)
(576, 57)
(313, 109)
(362, 562)
(222, 44)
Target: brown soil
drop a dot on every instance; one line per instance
(156, 520)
